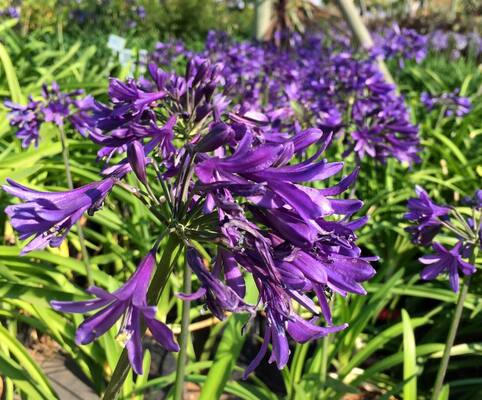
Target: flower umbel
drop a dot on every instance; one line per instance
(430, 218)
(231, 182)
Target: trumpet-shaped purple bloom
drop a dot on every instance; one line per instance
(446, 261)
(426, 214)
(128, 302)
(137, 160)
(49, 216)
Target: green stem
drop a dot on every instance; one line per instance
(158, 283)
(184, 337)
(70, 183)
(442, 369)
(324, 360)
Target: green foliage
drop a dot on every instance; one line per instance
(143, 21)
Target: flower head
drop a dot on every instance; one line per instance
(54, 106)
(230, 181)
(453, 103)
(27, 119)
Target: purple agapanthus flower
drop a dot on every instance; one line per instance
(448, 261)
(299, 250)
(478, 199)
(11, 12)
(57, 106)
(402, 43)
(49, 216)
(128, 302)
(426, 215)
(429, 218)
(453, 103)
(282, 320)
(54, 106)
(27, 118)
(230, 182)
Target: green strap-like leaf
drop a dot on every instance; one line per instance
(27, 363)
(409, 358)
(12, 81)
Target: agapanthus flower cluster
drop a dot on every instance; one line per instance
(53, 106)
(430, 219)
(166, 53)
(314, 84)
(408, 44)
(451, 103)
(402, 44)
(455, 42)
(227, 181)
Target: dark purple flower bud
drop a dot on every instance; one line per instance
(219, 297)
(128, 302)
(219, 135)
(137, 160)
(202, 111)
(202, 72)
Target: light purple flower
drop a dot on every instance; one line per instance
(54, 106)
(452, 102)
(27, 119)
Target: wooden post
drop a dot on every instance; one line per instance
(453, 10)
(360, 31)
(263, 13)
